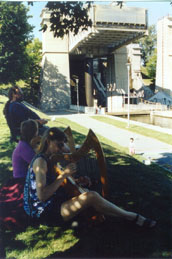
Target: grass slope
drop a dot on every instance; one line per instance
(133, 186)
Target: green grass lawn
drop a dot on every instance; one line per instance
(133, 186)
(164, 137)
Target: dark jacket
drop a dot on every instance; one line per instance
(17, 113)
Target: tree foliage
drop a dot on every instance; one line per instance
(34, 55)
(148, 44)
(15, 32)
(33, 70)
(151, 65)
(68, 17)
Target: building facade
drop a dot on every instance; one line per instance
(96, 57)
(164, 55)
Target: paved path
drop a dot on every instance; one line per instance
(150, 148)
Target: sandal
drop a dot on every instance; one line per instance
(147, 223)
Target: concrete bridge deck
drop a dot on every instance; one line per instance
(112, 28)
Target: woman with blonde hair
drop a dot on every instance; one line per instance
(44, 195)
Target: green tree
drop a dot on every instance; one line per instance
(148, 44)
(34, 55)
(68, 16)
(151, 65)
(15, 32)
(33, 70)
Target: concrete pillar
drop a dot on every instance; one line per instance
(134, 54)
(88, 82)
(164, 54)
(55, 85)
(121, 56)
(110, 75)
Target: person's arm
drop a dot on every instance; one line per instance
(32, 115)
(22, 113)
(40, 169)
(42, 121)
(19, 112)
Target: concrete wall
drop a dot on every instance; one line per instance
(121, 56)
(114, 14)
(114, 103)
(134, 53)
(55, 82)
(164, 54)
(55, 74)
(121, 73)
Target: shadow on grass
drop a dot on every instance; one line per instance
(133, 186)
(165, 160)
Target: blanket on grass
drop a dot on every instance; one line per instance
(12, 214)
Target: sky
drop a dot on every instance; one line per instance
(156, 10)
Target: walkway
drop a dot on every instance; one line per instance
(151, 149)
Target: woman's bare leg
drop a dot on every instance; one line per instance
(92, 199)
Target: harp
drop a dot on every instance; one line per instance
(91, 143)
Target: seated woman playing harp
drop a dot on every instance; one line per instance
(44, 194)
